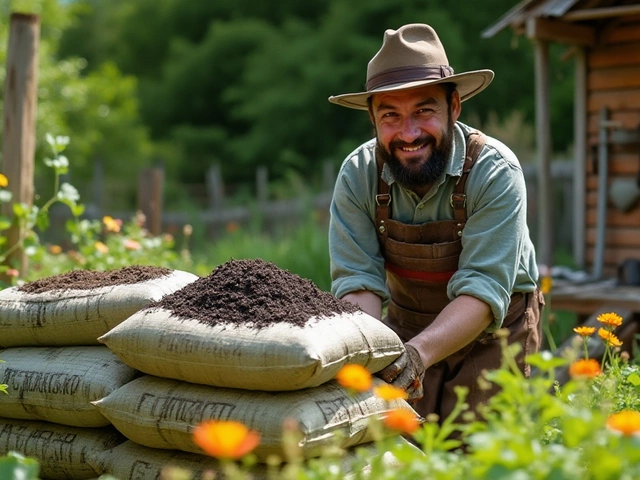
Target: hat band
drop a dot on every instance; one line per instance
(408, 74)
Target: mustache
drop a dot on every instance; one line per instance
(425, 139)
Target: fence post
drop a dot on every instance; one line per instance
(262, 184)
(20, 106)
(215, 187)
(150, 192)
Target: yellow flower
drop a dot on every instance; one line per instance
(4, 181)
(355, 377)
(545, 284)
(55, 249)
(389, 392)
(101, 247)
(609, 338)
(110, 224)
(626, 422)
(585, 331)
(403, 421)
(611, 319)
(585, 369)
(225, 439)
(130, 244)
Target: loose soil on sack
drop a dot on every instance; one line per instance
(253, 292)
(89, 279)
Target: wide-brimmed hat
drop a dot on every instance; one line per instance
(410, 57)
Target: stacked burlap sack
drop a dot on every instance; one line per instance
(54, 366)
(250, 343)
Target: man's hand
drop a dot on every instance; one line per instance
(406, 372)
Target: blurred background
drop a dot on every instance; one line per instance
(227, 99)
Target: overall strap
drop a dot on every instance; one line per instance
(475, 143)
(383, 202)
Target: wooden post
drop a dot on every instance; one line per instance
(543, 134)
(262, 184)
(328, 176)
(215, 187)
(580, 159)
(150, 192)
(20, 106)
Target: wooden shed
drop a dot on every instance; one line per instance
(603, 42)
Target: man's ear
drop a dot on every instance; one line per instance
(456, 106)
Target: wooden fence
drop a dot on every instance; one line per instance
(217, 215)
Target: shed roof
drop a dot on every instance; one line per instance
(591, 9)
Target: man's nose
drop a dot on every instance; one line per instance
(410, 130)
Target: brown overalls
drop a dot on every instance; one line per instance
(420, 260)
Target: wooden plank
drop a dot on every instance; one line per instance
(150, 195)
(624, 33)
(602, 12)
(613, 99)
(616, 218)
(620, 164)
(614, 256)
(624, 237)
(625, 54)
(20, 109)
(614, 78)
(628, 119)
(547, 30)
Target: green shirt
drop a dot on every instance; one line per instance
(498, 257)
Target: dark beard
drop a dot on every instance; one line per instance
(421, 173)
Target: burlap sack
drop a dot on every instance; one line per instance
(130, 461)
(77, 317)
(63, 452)
(58, 384)
(275, 358)
(162, 413)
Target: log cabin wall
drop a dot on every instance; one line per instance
(613, 81)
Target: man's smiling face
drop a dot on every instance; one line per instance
(414, 129)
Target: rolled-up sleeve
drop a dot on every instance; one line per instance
(495, 234)
(356, 261)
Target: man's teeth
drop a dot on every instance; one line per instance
(412, 149)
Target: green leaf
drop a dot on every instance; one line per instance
(634, 379)
(20, 210)
(14, 465)
(42, 220)
(77, 210)
(545, 361)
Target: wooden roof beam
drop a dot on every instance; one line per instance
(595, 13)
(562, 32)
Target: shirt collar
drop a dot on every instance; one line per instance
(455, 162)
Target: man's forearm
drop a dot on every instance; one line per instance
(456, 326)
(368, 301)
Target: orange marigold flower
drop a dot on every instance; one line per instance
(130, 244)
(626, 422)
(545, 284)
(609, 338)
(101, 247)
(611, 319)
(585, 331)
(585, 369)
(110, 224)
(354, 376)
(4, 181)
(225, 439)
(389, 392)
(55, 249)
(400, 420)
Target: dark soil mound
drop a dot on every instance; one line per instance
(253, 292)
(88, 279)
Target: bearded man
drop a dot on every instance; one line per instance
(428, 219)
